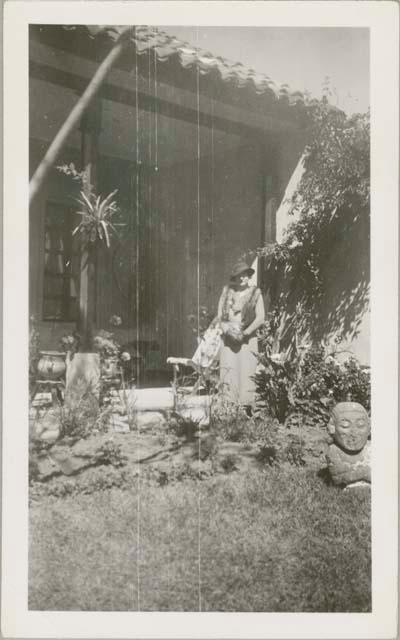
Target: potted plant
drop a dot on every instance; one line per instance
(96, 226)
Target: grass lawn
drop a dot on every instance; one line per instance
(273, 540)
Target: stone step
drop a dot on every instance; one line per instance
(162, 399)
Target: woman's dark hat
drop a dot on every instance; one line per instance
(240, 268)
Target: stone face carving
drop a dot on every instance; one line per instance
(348, 457)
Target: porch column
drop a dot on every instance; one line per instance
(90, 129)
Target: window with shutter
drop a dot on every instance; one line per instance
(60, 282)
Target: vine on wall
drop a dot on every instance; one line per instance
(318, 277)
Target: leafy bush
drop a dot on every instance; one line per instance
(183, 427)
(276, 447)
(273, 383)
(293, 452)
(268, 454)
(231, 422)
(227, 418)
(109, 453)
(229, 462)
(308, 384)
(105, 344)
(357, 381)
(166, 474)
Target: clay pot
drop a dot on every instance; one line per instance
(51, 365)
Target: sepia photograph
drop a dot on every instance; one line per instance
(200, 420)
(199, 278)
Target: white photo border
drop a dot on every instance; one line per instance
(382, 18)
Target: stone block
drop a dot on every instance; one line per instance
(82, 375)
(149, 419)
(158, 399)
(200, 415)
(120, 426)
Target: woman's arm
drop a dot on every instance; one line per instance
(259, 319)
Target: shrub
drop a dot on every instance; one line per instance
(106, 345)
(308, 384)
(273, 384)
(357, 381)
(183, 427)
(164, 474)
(228, 418)
(268, 454)
(234, 425)
(229, 462)
(278, 446)
(294, 452)
(109, 453)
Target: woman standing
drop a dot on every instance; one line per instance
(241, 313)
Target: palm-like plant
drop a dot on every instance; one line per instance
(97, 225)
(97, 212)
(97, 217)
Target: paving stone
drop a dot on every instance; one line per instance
(149, 419)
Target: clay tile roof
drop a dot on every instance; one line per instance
(146, 38)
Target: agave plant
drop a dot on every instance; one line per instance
(96, 212)
(97, 215)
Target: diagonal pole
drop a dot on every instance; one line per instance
(75, 115)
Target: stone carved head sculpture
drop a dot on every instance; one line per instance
(349, 425)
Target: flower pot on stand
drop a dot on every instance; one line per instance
(51, 365)
(51, 368)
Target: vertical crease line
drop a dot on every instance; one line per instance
(158, 236)
(137, 308)
(212, 195)
(198, 315)
(149, 265)
(156, 104)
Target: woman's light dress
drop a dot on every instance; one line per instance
(238, 360)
